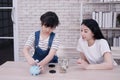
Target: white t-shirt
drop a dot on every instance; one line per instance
(43, 44)
(94, 53)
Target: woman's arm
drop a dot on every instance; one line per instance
(107, 64)
(82, 57)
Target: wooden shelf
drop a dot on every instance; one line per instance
(110, 28)
(115, 52)
(71, 52)
(110, 2)
(115, 48)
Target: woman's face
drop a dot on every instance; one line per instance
(47, 30)
(86, 33)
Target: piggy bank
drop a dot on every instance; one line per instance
(35, 70)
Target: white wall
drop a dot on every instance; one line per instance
(68, 11)
(29, 12)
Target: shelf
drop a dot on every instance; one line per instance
(111, 2)
(115, 48)
(71, 52)
(110, 28)
(115, 52)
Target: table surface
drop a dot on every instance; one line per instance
(20, 71)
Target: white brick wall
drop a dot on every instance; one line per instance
(29, 12)
(68, 11)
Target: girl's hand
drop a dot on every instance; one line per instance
(31, 61)
(83, 64)
(41, 66)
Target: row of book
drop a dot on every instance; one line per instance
(116, 41)
(106, 19)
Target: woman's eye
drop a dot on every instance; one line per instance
(85, 31)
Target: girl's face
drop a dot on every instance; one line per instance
(47, 30)
(86, 33)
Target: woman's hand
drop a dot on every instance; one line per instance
(83, 64)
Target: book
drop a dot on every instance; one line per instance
(114, 19)
(118, 19)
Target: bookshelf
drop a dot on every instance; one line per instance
(107, 14)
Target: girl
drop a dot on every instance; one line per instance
(44, 41)
(94, 49)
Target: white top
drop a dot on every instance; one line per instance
(94, 53)
(43, 44)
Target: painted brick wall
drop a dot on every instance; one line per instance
(29, 12)
(68, 11)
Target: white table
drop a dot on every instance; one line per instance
(20, 71)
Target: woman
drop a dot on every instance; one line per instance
(94, 49)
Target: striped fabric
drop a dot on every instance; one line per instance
(43, 44)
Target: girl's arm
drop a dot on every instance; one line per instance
(48, 58)
(30, 60)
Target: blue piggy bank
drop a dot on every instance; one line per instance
(35, 70)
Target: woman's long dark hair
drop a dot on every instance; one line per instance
(94, 27)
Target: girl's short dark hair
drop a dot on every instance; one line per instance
(49, 19)
(94, 27)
